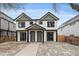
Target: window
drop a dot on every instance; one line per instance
(31, 22)
(21, 24)
(50, 24)
(40, 22)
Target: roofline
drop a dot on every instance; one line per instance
(51, 14)
(68, 21)
(6, 15)
(20, 15)
(32, 19)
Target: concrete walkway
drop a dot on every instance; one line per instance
(29, 50)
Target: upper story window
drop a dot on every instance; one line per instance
(40, 22)
(50, 24)
(31, 23)
(21, 24)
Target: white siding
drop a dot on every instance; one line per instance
(4, 24)
(44, 24)
(70, 30)
(12, 27)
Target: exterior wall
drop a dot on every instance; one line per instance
(27, 24)
(12, 27)
(70, 30)
(7, 28)
(4, 24)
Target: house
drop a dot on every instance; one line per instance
(7, 27)
(70, 27)
(36, 30)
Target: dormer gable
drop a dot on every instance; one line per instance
(49, 17)
(23, 17)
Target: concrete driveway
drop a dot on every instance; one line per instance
(38, 49)
(30, 50)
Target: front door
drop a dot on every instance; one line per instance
(22, 36)
(49, 36)
(39, 36)
(32, 36)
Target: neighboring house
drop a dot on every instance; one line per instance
(36, 30)
(71, 27)
(7, 26)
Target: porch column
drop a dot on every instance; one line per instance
(35, 36)
(29, 36)
(26, 36)
(45, 36)
(54, 36)
(18, 34)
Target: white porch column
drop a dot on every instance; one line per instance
(18, 34)
(54, 36)
(45, 36)
(29, 36)
(26, 36)
(35, 36)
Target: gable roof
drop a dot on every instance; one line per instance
(47, 17)
(53, 17)
(35, 27)
(23, 17)
(76, 18)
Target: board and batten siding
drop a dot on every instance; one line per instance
(71, 29)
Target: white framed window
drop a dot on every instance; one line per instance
(21, 24)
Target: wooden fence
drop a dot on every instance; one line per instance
(72, 40)
(69, 39)
(7, 38)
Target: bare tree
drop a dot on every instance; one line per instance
(74, 6)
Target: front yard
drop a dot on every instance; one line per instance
(11, 48)
(57, 49)
(46, 49)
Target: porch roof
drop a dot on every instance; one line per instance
(35, 27)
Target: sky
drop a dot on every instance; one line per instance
(37, 10)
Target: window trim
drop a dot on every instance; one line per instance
(20, 24)
(50, 24)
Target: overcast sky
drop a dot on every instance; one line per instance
(36, 11)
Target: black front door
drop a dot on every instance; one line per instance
(22, 36)
(32, 36)
(49, 36)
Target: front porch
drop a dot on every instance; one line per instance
(36, 36)
(36, 33)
